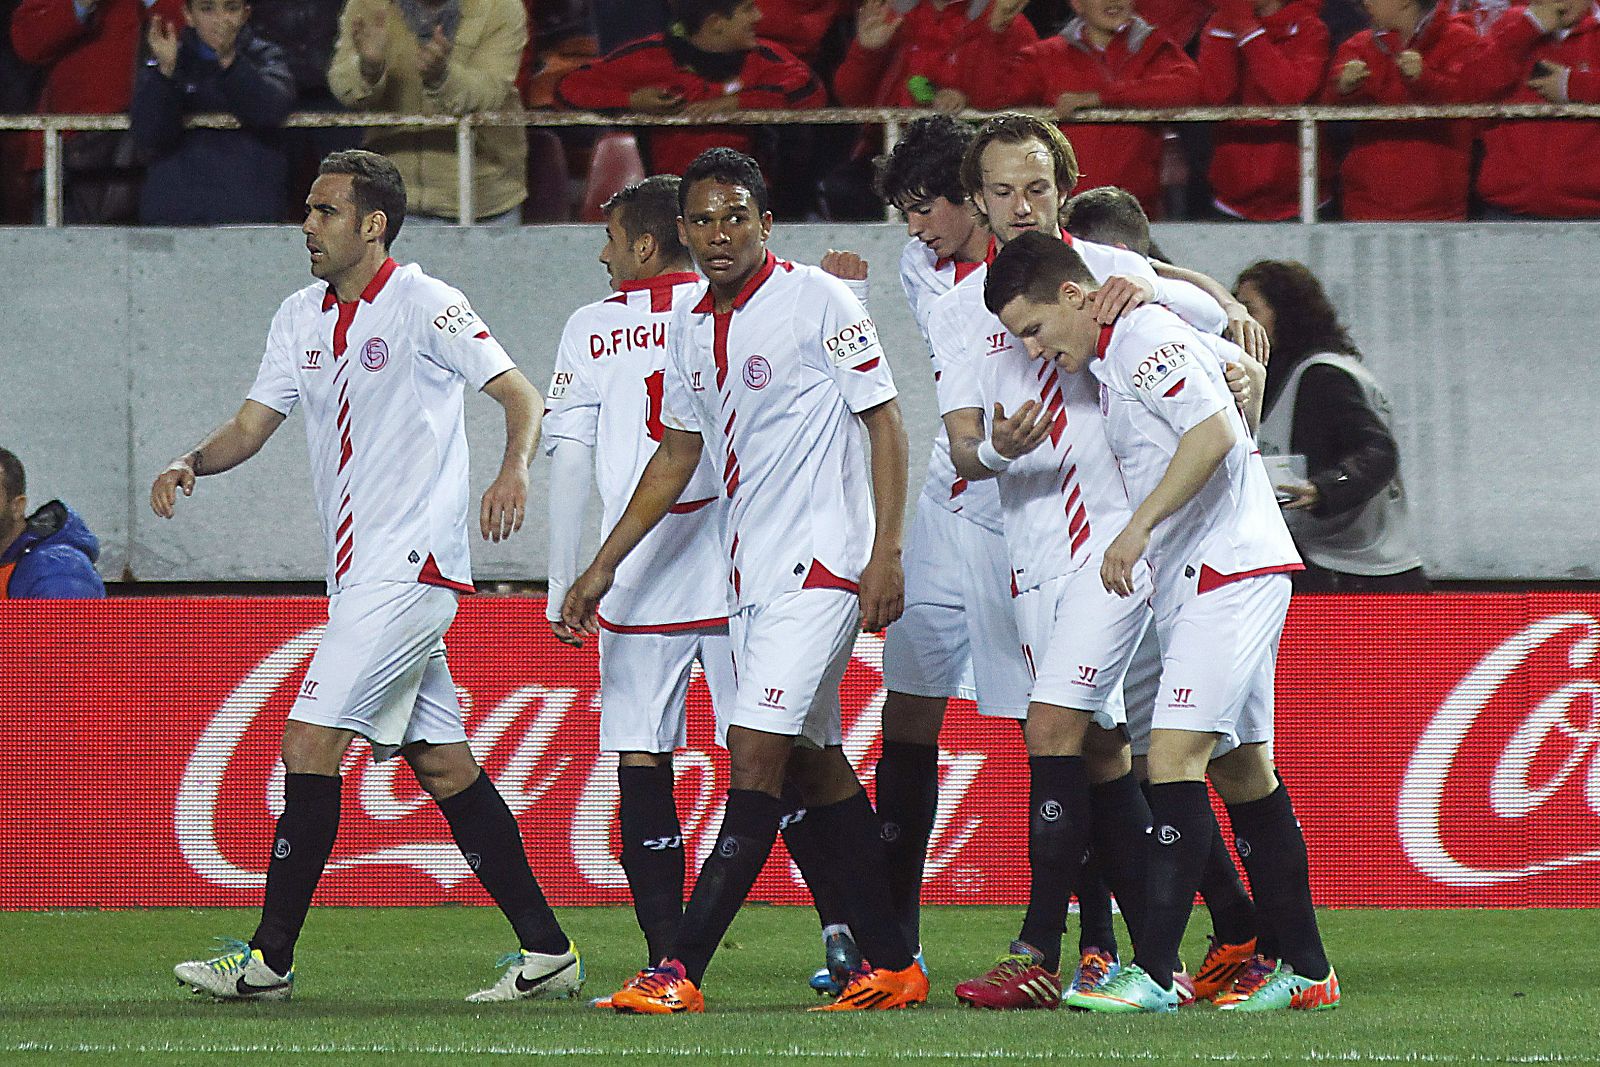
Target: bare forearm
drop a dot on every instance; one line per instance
(234, 441)
(890, 455)
(524, 411)
(965, 430)
(1257, 372)
(1200, 452)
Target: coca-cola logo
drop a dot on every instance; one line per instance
(1549, 752)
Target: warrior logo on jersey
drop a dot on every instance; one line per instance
(456, 319)
(1160, 365)
(851, 341)
(375, 354)
(559, 383)
(757, 372)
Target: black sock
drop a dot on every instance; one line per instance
(855, 836)
(652, 853)
(300, 847)
(1058, 835)
(487, 834)
(1120, 816)
(1233, 914)
(813, 853)
(1274, 852)
(1180, 841)
(908, 803)
(1094, 908)
(749, 827)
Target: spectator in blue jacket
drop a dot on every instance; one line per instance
(199, 177)
(48, 555)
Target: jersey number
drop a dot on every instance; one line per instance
(654, 386)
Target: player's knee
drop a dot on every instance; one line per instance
(644, 759)
(1245, 774)
(310, 749)
(912, 719)
(1053, 731)
(1106, 755)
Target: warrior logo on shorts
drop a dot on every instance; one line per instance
(375, 354)
(1168, 835)
(729, 848)
(1182, 697)
(1050, 810)
(280, 849)
(772, 698)
(757, 372)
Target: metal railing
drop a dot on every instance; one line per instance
(1305, 117)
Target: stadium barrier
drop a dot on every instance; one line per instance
(1442, 751)
(1306, 117)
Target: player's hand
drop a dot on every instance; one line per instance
(1244, 331)
(1022, 432)
(1410, 64)
(846, 266)
(653, 100)
(369, 33)
(1122, 555)
(163, 40)
(433, 59)
(1552, 85)
(1238, 383)
(883, 593)
(564, 634)
(1002, 12)
(1351, 75)
(1118, 296)
(164, 493)
(580, 611)
(1303, 496)
(504, 502)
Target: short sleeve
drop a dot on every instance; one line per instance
(955, 365)
(850, 346)
(458, 340)
(1172, 381)
(572, 403)
(276, 386)
(678, 410)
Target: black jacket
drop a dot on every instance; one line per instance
(1350, 455)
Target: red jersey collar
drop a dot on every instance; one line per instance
(1104, 342)
(963, 268)
(370, 293)
(659, 281)
(708, 302)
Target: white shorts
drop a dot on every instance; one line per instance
(1219, 658)
(1139, 690)
(957, 636)
(644, 685)
(789, 657)
(1078, 638)
(380, 667)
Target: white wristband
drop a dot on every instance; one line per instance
(990, 457)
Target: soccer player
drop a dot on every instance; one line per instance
(1207, 524)
(378, 356)
(779, 365)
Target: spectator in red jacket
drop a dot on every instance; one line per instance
(1549, 52)
(88, 49)
(1105, 56)
(939, 53)
(1414, 54)
(1180, 20)
(801, 25)
(709, 63)
(1260, 52)
(1483, 14)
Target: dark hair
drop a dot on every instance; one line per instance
(1305, 322)
(728, 167)
(1014, 128)
(375, 185)
(692, 14)
(1110, 216)
(12, 476)
(650, 207)
(924, 163)
(1033, 265)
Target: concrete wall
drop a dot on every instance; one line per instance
(127, 346)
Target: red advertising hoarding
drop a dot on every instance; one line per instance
(1441, 750)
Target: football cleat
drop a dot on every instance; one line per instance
(1095, 967)
(1223, 964)
(238, 974)
(1130, 990)
(1185, 987)
(841, 960)
(1017, 981)
(535, 976)
(881, 990)
(1284, 990)
(1252, 976)
(660, 990)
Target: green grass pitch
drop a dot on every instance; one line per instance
(385, 984)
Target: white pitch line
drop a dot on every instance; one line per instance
(796, 1052)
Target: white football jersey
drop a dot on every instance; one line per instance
(381, 380)
(774, 387)
(607, 392)
(1160, 378)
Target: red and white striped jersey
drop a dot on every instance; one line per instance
(775, 386)
(380, 380)
(607, 392)
(1159, 379)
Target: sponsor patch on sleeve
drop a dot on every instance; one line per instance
(1161, 366)
(458, 318)
(558, 384)
(851, 342)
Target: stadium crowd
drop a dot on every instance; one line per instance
(162, 59)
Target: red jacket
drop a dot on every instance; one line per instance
(800, 25)
(945, 47)
(1415, 171)
(1280, 59)
(769, 77)
(1140, 67)
(89, 65)
(1532, 167)
(1179, 20)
